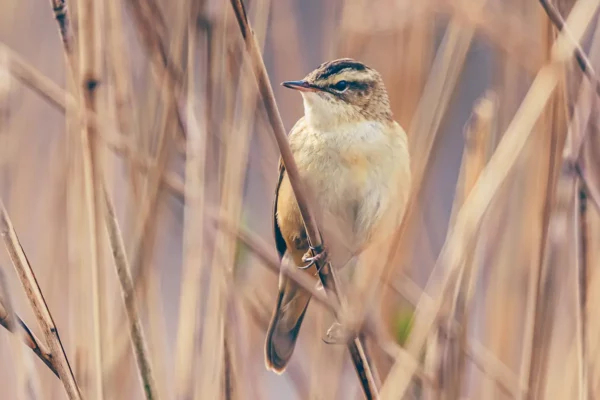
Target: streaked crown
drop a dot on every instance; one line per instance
(354, 83)
(344, 89)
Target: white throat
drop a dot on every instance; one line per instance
(326, 115)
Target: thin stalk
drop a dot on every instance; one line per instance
(89, 78)
(11, 323)
(38, 304)
(582, 60)
(477, 139)
(63, 18)
(193, 263)
(138, 340)
(582, 288)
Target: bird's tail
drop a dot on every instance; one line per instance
(292, 303)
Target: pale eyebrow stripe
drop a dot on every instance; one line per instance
(347, 75)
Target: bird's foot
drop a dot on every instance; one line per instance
(337, 334)
(320, 254)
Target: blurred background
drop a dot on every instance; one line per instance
(489, 292)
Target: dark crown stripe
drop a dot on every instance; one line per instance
(335, 67)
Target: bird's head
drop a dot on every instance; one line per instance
(343, 91)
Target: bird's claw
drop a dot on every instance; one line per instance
(336, 334)
(320, 254)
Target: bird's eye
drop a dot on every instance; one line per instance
(341, 86)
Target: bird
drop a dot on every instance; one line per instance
(355, 157)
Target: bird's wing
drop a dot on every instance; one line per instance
(279, 240)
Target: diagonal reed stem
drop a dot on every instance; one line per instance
(582, 60)
(38, 304)
(136, 332)
(10, 320)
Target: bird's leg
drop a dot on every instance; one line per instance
(319, 254)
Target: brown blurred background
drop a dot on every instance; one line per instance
(454, 70)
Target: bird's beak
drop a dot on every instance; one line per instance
(302, 86)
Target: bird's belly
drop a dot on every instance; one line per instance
(350, 195)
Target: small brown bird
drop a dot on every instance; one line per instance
(355, 157)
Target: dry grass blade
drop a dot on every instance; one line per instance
(582, 60)
(9, 320)
(38, 304)
(326, 274)
(136, 332)
(61, 13)
(475, 206)
(582, 293)
(90, 49)
(193, 242)
(478, 135)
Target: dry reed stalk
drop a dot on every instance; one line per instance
(119, 72)
(144, 218)
(138, 340)
(193, 237)
(582, 142)
(119, 100)
(578, 379)
(326, 274)
(477, 137)
(543, 281)
(495, 173)
(62, 16)
(10, 323)
(158, 339)
(593, 291)
(582, 60)
(28, 380)
(582, 293)
(7, 316)
(90, 53)
(14, 324)
(38, 304)
(508, 226)
(593, 296)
